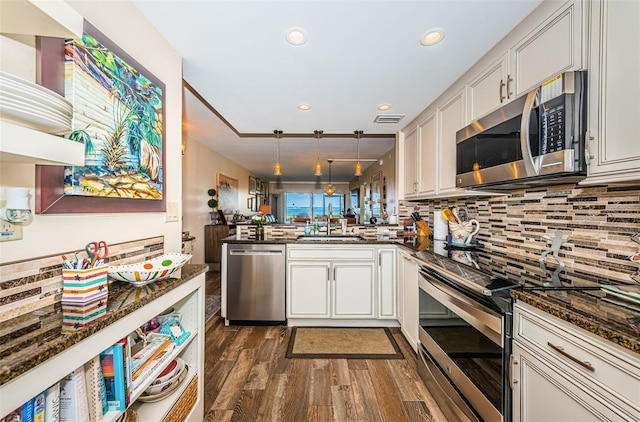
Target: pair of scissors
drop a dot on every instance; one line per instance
(96, 250)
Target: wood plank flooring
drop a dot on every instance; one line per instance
(248, 378)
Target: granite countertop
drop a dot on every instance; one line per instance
(289, 241)
(587, 309)
(31, 339)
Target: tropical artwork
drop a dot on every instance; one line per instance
(117, 114)
(227, 194)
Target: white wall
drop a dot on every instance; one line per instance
(201, 166)
(50, 234)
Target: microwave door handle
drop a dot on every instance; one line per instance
(525, 146)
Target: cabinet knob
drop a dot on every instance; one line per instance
(509, 80)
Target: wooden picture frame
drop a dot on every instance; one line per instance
(227, 194)
(50, 180)
(252, 185)
(264, 188)
(258, 186)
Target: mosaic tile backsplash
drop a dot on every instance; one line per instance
(516, 229)
(26, 286)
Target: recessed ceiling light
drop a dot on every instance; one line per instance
(384, 107)
(432, 37)
(304, 107)
(296, 36)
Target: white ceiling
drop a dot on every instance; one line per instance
(359, 54)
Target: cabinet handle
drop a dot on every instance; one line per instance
(502, 97)
(560, 349)
(509, 80)
(512, 362)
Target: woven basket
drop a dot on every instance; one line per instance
(185, 403)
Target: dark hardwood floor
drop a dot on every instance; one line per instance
(248, 378)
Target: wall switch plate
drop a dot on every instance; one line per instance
(10, 231)
(172, 212)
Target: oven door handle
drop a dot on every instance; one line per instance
(483, 319)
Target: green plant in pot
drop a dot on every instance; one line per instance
(213, 204)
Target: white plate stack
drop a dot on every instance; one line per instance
(34, 106)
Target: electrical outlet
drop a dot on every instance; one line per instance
(10, 231)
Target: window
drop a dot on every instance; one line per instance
(308, 206)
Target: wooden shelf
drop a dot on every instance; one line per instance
(23, 145)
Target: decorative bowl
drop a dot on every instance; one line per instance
(155, 389)
(149, 271)
(174, 368)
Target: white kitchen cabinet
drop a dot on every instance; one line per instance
(451, 118)
(553, 47)
(491, 88)
(419, 159)
(408, 295)
(542, 393)
(387, 288)
(410, 164)
(187, 299)
(614, 90)
(576, 374)
(331, 282)
(308, 290)
(353, 290)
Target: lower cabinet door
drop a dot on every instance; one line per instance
(353, 295)
(543, 393)
(308, 290)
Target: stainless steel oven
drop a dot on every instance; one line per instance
(465, 339)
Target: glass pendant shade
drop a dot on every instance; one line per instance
(358, 171)
(277, 170)
(318, 168)
(329, 189)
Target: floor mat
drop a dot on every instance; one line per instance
(343, 343)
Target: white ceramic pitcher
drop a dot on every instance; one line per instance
(463, 232)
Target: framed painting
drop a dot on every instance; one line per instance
(258, 186)
(252, 185)
(264, 188)
(376, 193)
(227, 194)
(118, 113)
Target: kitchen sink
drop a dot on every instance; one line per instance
(329, 238)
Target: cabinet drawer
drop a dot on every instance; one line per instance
(332, 253)
(596, 362)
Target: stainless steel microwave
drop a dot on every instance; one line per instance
(537, 139)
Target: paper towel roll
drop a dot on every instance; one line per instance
(440, 226)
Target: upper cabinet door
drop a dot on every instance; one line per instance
(490, 89)
(410, 163)
(614, 90)
(427, 142)
(552, 48)
(451, 118)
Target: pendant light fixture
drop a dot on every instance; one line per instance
(318, 170)
(358, 171)
(277, 170)
(330, 189)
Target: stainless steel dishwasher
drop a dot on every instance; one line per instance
(256, 283)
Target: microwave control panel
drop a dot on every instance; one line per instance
(552, 128)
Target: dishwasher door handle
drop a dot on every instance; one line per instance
(249, 252)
